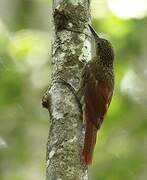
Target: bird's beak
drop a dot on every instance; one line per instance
(93, 32)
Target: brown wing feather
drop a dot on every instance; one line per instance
(96, 100)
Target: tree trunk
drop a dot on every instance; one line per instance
(70, 51)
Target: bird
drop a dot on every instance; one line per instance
(96, 85)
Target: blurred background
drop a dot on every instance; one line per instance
(25, 40)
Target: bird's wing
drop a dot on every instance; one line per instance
(96, 97)
(95, 103)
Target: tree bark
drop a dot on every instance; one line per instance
(70, 51)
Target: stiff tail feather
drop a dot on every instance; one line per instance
(89, 142)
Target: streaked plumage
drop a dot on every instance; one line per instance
(97, 84)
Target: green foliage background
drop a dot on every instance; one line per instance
(25, 40)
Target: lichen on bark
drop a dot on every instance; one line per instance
(70, 50)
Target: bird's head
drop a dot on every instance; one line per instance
(103, 48)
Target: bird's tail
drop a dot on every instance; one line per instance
(89, 142)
